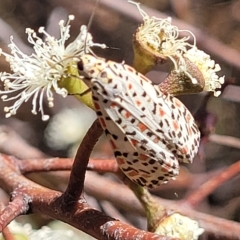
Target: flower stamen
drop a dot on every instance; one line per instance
(38, 75)
(160, 38)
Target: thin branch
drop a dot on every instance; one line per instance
(207, 188)
(126, 232)
(48, 202)
(9, 138)
(155, 212)
(7, 235)
(125, 199)
(111, 210)
(100, 165)
(106, 190)
(45, 165)
(77, 176)
(63, 164)
(182, 9)
(18, 206)
(225, 140)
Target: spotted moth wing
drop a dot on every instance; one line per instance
(150, 131)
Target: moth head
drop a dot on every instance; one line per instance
(90, 66)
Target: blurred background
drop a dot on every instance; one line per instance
(216, 24)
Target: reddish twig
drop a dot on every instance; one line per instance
(106, 165)
(48, 202)
(9, 138)
(99, 165)
(111, 210)
(18, 206)
(127, 231)
(207, 188)
(77, 176)
(155, 212)
(103, 189)
(7, 235)
(63, 164)
(125, 199)
(45, 165)
(225, 140)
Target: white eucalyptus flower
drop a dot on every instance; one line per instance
(162, 37)
(38, 74)
(208, 68)
(179, 226)
(26, 231)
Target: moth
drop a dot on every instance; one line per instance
(150, 131)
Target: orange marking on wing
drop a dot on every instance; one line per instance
(143, 157)
(145, 175)
(161, 112)
(102, 121)
(127, 114)
(166, 168)
(188, 118)
(133, 173)
(134, 142)
(113, 144)
(175, 125)
(138, 103)
(130, 68)
(144, 78)
(156, 140)
(177, 103)
(184, 150)
(96, 105)
(120, 161)
(142, 127)
(129, 86)
(113, 105)
(190, 132)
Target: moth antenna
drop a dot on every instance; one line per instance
(90, 22)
